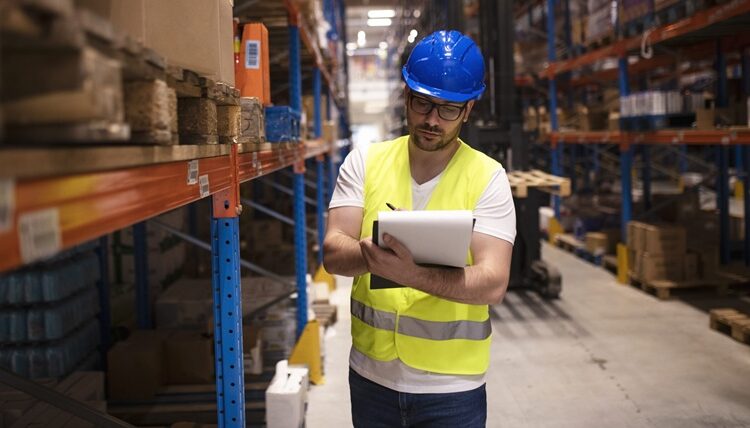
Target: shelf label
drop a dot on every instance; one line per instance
(204, 186)
(192, 172)
(7, 204)
(252, 54)
(39, 234)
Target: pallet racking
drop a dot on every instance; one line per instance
(52, 199)
(716, 30)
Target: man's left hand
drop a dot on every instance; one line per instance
(396, 264)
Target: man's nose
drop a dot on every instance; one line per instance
(433, 118)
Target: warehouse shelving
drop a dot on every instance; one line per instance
(56, 198)
(714, 31)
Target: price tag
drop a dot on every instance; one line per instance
(39, 234)
(205, 191)
(192, 177)
(7, 204)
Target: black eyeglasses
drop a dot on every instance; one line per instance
(445, 111)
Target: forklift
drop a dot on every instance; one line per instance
(497, 130)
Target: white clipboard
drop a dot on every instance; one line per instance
(433, 237)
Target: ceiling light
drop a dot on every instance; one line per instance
(379, 22)
(383, 45)
(381, 13)
(413, 33)
(351, 46)
(361, 39)
(417, 13)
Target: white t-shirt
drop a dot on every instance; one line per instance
(495, 216)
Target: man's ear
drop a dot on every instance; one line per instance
(469, 106)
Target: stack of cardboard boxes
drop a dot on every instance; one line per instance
(180, 351)
(667, 252)
(659, 252)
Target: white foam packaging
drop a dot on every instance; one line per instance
(286, 396)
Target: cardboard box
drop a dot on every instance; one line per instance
(662, 267)
(636, 236)
(709, 261)
(135, 366)
(666, 239)
(705, 119)
(192, 34)
(253, 121)
(692, 266)
(186, 304)
(253, 78)
(330, 131)
(252, 348)
(597, 243)
(85, 86)
(189, 358)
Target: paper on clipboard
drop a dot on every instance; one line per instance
(432, 237)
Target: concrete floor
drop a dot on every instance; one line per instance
(604, 355)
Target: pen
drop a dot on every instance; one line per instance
(390, 205)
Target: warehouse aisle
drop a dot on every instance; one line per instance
(603, 356)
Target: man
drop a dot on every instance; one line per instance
(420, 353)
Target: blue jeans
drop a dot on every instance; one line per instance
(374, 406)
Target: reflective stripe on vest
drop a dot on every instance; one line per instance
(433, 330)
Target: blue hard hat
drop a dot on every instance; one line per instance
(446, 65)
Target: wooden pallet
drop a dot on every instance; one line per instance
(732, 323)
(521, 181)
(665, 289)
(568, 242)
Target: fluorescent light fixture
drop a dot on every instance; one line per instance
(381, 13)
(351, 46)
(379, 22)
(412, 36)
(383, 45)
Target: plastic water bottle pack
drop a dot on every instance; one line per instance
(54, 359)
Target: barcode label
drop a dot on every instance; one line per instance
(252, 54)
(7, 204)
(39, 234)
(204, 186)
(192, 172)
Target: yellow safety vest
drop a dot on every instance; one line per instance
(422, 330)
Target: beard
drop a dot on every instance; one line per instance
(439, 142)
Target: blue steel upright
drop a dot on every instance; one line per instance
(320, 190)
(105, 315)
(646, 176)
(626, 158)
(230, 378)
(746, 155)
(722, 158)
(746, 202)
(140, 259)
(300, 237)
(552, 57)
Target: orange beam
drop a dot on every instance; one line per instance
(94, 204)
(669, 136)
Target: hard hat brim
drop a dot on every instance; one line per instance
(456, 97)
